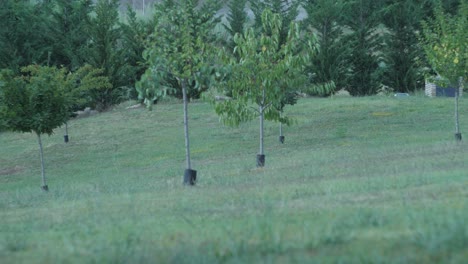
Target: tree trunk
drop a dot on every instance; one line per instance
(261, 154)
(281, 129)
(44, 183)
(458, 135)
(190, 176)
(261, 131)
(186, 130)
(65, 137)
(281, 137)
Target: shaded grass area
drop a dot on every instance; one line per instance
(359, 180)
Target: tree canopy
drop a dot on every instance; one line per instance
(36, 101)
(445, 41)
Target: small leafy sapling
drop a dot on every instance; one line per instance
(178, 50)
(444, 40)
(34, 102)
(262, 72)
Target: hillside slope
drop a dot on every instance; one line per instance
(354, 174)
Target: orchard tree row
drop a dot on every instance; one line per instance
(257, 57)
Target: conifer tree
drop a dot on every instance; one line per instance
(24, 33)
(134, 33)
(363, 17)
(69, 25)
(328, 68)
(402, 53)
(104, 51)
(236, 19)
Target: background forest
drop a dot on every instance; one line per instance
(366, 46)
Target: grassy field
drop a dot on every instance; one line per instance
(358, 180)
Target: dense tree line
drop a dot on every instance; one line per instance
(365, 44)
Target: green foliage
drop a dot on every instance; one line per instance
(287, 9)
(403, 56)
(363, 18)
(34, 102)
(328, 69)
(105, 52)
(178, 52)
(264, 73)
(151, 88)
(85, 86)
(24, 33)
(444, 41)
(236, 19)
(134, 33)
(69, 24)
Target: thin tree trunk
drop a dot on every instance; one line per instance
(186, 130)
(261, 131)
(261, 108)
(44, 183)
(281, 128)
(261, 155)
(458, 136)
(457, 119)
(66, 128)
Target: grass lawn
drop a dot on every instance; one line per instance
(358, 180)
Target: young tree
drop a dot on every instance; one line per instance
(262, 72)
(35, 102)
(180, 49)
(444, 41)
(288, 11)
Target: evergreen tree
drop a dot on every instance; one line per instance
(236, 19)
(134, 33)
(328, 66)
(69, 25)
(363, 18)
(24, 33)
(104, 50)
(402, 52)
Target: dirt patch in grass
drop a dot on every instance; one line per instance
(11, 170)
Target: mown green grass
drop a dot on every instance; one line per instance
(359, 180)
